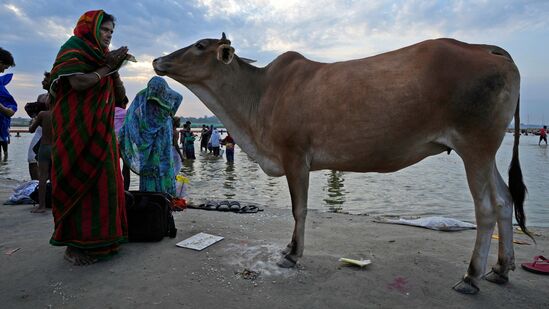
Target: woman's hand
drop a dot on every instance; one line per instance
(114, 58)
(8, 112)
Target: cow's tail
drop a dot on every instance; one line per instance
(516, 184)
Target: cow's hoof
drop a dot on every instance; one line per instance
(496, 278)
(466, 286)
(285, 251)
(286, 262)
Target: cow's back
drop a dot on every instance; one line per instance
(411, 95)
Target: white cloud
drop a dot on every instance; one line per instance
(139, 72)
(50, 29)
(26, 80)
(17, 11)
(226, 8)
(25, 88)
(46, 28)
(322, 30)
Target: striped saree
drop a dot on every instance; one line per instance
(88, 191)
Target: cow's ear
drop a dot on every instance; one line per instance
(225, 53)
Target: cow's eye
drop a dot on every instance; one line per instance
(199, 46)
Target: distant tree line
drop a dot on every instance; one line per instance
(198, 122)
(20, 122)
(195, 122)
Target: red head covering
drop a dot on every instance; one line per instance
(87, 29)
(82, 53)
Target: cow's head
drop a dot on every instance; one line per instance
(196, 62)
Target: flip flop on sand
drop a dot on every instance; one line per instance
(224, 206)
(248, 209)
(234, 206)
(539, 266)
(210, 205)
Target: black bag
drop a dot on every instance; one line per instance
(33, 108)
(149, 216)
(35, 195)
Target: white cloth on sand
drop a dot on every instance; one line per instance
(21, 193)
(433, 223)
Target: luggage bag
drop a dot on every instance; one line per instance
(149, 216)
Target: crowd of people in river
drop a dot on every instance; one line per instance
(81, 131)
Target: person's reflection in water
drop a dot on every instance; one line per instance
(188, 168)
(230, 181)
(543, 152)
(336, 191)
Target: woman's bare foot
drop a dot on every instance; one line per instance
(78, 257)
(38, 209)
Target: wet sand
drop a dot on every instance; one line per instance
(411, 267)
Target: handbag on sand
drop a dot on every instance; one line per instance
(149, 216)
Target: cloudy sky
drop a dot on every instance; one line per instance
(322, 30)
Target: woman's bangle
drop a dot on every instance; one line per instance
(98, 75)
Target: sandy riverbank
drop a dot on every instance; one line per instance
(411, 267)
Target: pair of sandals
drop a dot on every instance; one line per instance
(232, 206)
(222, 206)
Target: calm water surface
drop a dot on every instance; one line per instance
(434, 186)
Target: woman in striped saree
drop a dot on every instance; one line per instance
(88, 192)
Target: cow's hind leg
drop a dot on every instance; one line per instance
(506, 255)
(480, 177)
(297, 174)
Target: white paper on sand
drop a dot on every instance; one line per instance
(199, 241)
(360, 263)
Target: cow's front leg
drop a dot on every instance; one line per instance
(297, 175)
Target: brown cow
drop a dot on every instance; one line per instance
(448, 95)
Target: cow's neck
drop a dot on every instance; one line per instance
(233, 96)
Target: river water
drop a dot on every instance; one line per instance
(435, 186)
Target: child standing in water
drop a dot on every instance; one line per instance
(176, 153)
(43, 119)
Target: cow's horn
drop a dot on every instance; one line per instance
(223, 39)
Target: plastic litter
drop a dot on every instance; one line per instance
(359, 263)
(11, 251)
(199, 241)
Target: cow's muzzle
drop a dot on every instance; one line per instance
(157, 66)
